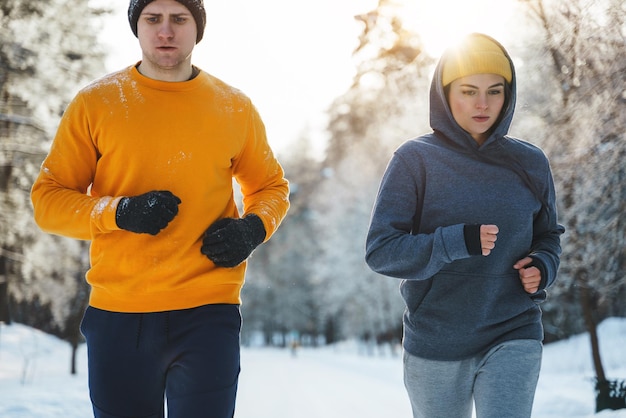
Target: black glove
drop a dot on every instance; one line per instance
(148, 213)
(228, 242)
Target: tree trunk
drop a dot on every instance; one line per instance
(609, 394)
(73, 369)
(588, 306)
(5, 175)
(4, 296)
(72, 324)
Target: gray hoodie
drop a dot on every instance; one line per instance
(437, 185)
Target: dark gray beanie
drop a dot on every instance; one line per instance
(196, 7)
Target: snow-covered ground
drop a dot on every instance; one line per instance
(329, 382)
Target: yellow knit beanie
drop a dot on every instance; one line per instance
(476, 54)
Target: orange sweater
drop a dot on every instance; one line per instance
(125, 135)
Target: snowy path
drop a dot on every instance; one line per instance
(317, 383)
(320, 384)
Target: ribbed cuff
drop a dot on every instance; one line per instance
(542, 270)
(471, 234)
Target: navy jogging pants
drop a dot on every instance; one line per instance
(186, 361)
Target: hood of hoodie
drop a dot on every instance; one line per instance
(444, 124)
(498, 149)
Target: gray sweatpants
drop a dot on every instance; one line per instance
(501, 383)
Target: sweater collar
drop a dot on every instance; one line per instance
(194, 82)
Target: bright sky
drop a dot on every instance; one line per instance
(293, 58)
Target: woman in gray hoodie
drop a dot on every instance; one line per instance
(466, 217)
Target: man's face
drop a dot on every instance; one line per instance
(167, 35)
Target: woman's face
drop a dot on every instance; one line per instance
(476, 102)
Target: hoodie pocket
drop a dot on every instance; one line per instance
(472, 302)
(414, 292)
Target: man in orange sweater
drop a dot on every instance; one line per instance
(142, 166)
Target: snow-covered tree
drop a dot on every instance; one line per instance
(48, 50)
(384, 106)
(279, 297)
(584, 130)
